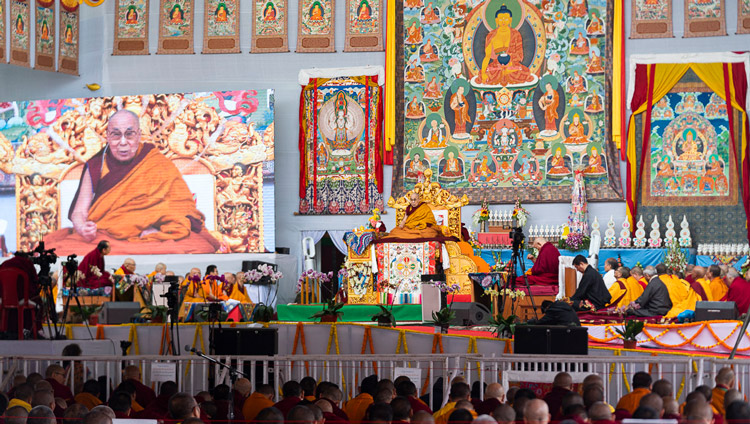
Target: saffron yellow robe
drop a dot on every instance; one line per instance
(88, 400)
(718, 288)
(356, 408)
(255, 403)
(630, 401)
(626, 290)
(419, 224)
(707, 288)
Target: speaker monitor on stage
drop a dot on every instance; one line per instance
(248, 265)
(118, 312)
(709, 311)
(247, 342)
(468, 314)
(551, 340)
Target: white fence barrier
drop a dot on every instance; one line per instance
(434, 371)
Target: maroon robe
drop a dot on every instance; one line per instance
(331, 418)
(554, 400)
(488, 406)
(418, 405)
(337, 411)
(545, 269)
(739, 293)
(61, 390)
(93, 259)
(285, 405)
(696, 286)
(158, 409)
(144, 395)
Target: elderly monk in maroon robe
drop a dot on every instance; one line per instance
(144, 395)
(133, 195)
(92, 267)
(739, 291)
(546, 265)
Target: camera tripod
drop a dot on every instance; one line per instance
(71, 266)
(518, 237)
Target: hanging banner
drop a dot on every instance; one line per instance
(176, 27)
(743, 16)
(270, 26)
(705, 18)
(364, 26)
(651, 19)
(20, 18)
(131, 27)
(221, 26)
(45, 36)
(3, 59)
(67, 57)
(316, 26)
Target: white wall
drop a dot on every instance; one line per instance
(120, 75)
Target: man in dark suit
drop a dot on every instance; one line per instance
(557, 313)
(591, 287)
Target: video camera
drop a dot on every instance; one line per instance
(517, 237)
(173, 292)
(40, 256)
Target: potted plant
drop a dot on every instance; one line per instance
(385, 317)
(155, 313)
(442, 318)
(504, 328)
(331, 311)
(84, 312)
(262, 313)
(629, 332)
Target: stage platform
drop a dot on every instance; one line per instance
(712, 338)
(352, 313)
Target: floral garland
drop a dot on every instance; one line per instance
(520, 214)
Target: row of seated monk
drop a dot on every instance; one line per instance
(651, 291)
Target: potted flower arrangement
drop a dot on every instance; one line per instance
(442, 318)
(574, 242)
(154, 313)
(330, 313)
(629, 332)
(385, 317)
(309, 283)
(506, 327)
(520, 215)
(481, 216)
(264, 275)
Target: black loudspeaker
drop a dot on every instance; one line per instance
(118, 312)
(468, 314)
(282, 250)
(551, 340)
(247, 341)
(248, 265)
(709, 311)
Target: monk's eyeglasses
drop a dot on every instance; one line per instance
(116, 135)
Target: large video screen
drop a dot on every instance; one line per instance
(152, 174)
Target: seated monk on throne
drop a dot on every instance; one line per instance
(504, 53)
(135, 197)
(546, 265)
(418, 223)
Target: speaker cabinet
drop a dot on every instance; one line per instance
(247, 342)
(551, 340)
(468, 314)
(118, 312)
(710, 311)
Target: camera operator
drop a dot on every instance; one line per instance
(546, 265)
(24, 264)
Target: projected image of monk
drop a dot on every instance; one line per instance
(134, 196)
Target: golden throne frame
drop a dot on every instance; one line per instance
(440, 199)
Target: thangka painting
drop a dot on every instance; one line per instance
(221, 26)
(45, 36)
(176, 26)
(153, 174)
(270, 26)
(401, 265)
(364, 26)
(341, 170)
(705, 18)
(743, 16)
(691, 156)
(315, 27)
(2, 30)
(20, 21)
(67, 46)
(651, 19)
(131, 27)
(507, 94)
(690, 166)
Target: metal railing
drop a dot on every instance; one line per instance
(194, 374)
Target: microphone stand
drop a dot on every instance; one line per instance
(233, 373)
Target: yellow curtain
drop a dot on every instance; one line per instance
(666, 75)
(713, 75)
(617, 70)
(389, 124)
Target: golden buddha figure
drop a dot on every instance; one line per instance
(504, 53)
